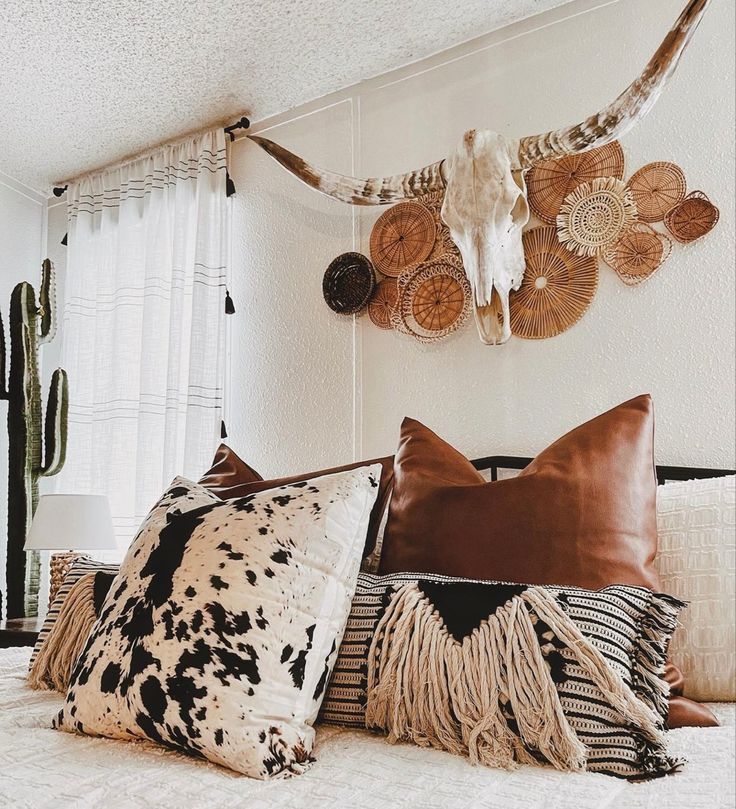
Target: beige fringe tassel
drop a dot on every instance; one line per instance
(425, 686)
(52, 668)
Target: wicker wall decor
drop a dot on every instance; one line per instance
(383, 303)
(557, 289)
(348, 283)
(595, 215)
(638, 254)
(656, 188)
(591, 213)
(549, 183)
(402, 237)
(433, 302)
(444, 245)
(692, 218)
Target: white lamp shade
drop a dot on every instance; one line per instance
(71, 522)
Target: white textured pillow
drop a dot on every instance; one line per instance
(696, 525)
(220, 632)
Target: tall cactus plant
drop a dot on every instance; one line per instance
(35, 449)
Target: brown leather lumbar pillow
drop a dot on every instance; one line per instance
(230, 477)
(582, 513)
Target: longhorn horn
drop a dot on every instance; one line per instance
(371, 191)
(631, 106)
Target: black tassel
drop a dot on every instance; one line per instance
(63, 241)
(223, 430)
(229, 305)
(229, 184)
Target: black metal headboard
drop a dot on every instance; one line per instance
(664, 473)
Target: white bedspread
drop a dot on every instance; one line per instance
(44, 769)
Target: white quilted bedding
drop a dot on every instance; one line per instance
(45, 769)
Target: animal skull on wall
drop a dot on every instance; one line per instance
(485, 205)
(485, 208)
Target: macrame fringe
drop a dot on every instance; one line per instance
(650, 655)
(490, 697)
(636, 713)
(55, 660)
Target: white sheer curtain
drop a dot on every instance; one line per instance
(144, 324)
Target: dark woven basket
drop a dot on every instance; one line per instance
(349, 283)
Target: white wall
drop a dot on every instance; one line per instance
(290, 398)
(22, 241)
(310, 388)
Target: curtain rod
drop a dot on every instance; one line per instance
(242, 123)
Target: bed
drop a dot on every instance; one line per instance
(43, 769)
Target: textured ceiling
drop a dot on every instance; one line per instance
(84, 83)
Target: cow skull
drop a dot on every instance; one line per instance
(485, 205)
(485, 208)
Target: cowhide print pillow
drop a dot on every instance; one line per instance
(219, 634)
(509, 673)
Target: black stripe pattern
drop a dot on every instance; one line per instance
(138, 186)
(630, 626)
(80, 567)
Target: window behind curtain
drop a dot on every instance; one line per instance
(144, 325)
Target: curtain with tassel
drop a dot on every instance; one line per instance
(144, 324)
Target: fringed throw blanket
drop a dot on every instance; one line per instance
(510, 674)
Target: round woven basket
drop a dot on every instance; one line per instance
(444, 244)
(383, 303)
(348, 283)
(595, 215)
(402, 237)
(695, 216)
(550, 182)
(655, 188)
(638, 254)
(557, 289)
(434, 301)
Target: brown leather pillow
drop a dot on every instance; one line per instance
(582, 513)
(231, 477)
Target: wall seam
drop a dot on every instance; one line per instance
(32, 197)
(357, 321)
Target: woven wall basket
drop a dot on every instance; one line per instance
(656, 188)
(595, 215)
(348, 283)
(402, 237)
(638, 254)
(695, 216)
(557, 289)
(549, 183)
(444, 245)
(434, 301)
(383, 303)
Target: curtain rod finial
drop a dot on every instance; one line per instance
(243, 123)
